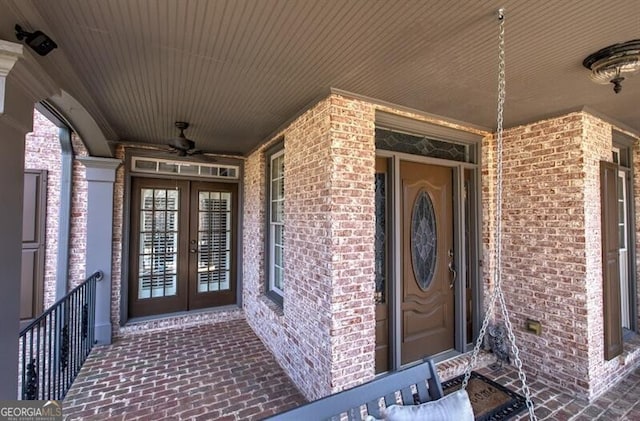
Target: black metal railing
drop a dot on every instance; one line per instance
(55, 345)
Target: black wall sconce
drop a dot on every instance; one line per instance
(38, 40)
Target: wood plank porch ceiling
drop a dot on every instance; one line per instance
(238, 69)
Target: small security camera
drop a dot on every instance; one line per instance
(38, 40)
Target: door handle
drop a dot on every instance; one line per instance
(452, 269)
(193, 250)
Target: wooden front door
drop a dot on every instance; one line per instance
(427, 293)
(182, 245)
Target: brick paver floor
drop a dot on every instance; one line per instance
(622, 402)
(213, 372)
(223, 372)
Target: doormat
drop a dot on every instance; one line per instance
(490, 401)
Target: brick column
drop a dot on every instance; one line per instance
(324, 336)
(22, 83)
(101, 174)
(351, 174)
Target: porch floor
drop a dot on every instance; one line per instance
(223, 372)
(216, 371)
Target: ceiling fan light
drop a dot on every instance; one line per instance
(181, 142)
(180, 145)
(614, 63)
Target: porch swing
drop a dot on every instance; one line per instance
(419, 387)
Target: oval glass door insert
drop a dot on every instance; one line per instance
(423, 240)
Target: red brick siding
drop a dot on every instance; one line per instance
(299, 335)
(78, 234)
(603, 374)
(352, 239)
(324, 336)
(552, 269)
(118, 229)
(43, 152)
(597, 146)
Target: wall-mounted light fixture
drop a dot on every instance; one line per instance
(611, 64)
(38, 40)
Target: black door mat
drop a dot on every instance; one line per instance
(490, 401)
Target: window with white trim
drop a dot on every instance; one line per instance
(275, 215)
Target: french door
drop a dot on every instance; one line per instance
(182, 245)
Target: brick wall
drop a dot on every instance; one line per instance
(118, 229)
(324, 335)
(78, 229)
(552, 270)
(298, 335)
(543, 279)
(603, 374)
(42, 152)
(352, 236)
(597, 146)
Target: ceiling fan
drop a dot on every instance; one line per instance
(181, 145)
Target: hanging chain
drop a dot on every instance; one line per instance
(497, 269)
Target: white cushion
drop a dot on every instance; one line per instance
(453, 407)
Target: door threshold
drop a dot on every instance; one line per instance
(181, 319)
(452, 363)
(455, 365)
(436, 358)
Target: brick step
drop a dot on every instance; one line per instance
(180, 320)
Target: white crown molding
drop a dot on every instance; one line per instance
(10, 53)
(99, 162)
(19, 67)
(100, 169)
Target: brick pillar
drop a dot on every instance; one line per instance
(101, 174)
(22, 83)
(352, 233)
